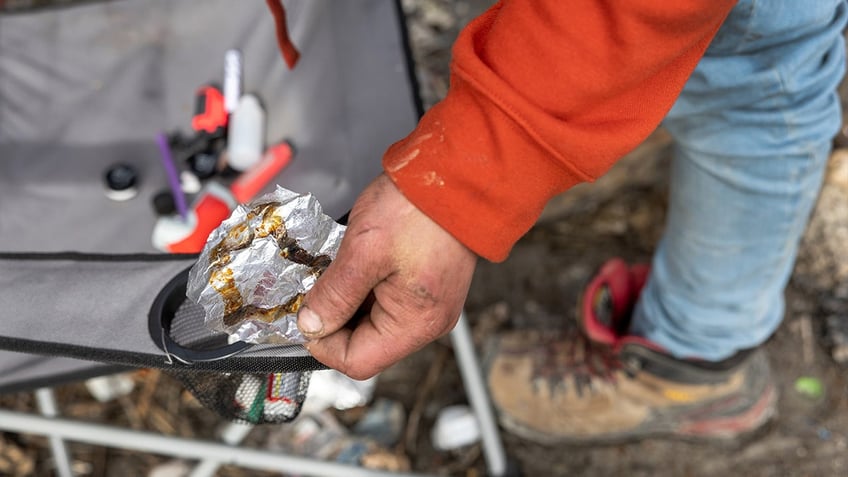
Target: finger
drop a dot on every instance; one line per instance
(369, 349)
(340, 291)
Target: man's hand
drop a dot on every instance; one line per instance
(418, 273)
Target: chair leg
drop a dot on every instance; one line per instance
(478, 397)
(232, 434)
(46, 402)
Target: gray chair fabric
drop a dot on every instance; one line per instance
(83, 87)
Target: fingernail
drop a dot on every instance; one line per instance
(309, 322)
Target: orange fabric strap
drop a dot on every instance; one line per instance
(287, 48)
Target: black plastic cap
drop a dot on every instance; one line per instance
(204, 165)
(163, 203)
(121, 177)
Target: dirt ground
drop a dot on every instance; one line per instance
(621, 215)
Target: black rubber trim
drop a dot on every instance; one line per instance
(164, 308)
(42, 7)
(685, 371)
(236, 364)
(97, 257)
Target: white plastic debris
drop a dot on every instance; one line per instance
(455, 427)
(331, 388)
(107, 388)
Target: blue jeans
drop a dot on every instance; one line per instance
(753, 128)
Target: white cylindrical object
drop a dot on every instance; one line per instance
(232, 80)
(478, 396)
(46, 402)
(181, 447)
(246, 139)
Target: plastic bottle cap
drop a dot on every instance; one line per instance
(121, 182)
(455, 427)
(189, 182)
(163, 203)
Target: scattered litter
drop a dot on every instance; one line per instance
(809, 386)
(332, 389)
(455, 427)
(322, 436)
(381, 459)
(107, 388)
(311, 435)
(383, 422)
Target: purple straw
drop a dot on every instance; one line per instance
(173, 175)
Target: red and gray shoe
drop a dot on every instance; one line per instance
(603, 385)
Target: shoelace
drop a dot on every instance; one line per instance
(574, 360)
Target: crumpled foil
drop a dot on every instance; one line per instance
(257, 265)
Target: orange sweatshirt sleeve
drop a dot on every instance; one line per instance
(545, 94)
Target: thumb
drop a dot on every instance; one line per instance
(338, 293)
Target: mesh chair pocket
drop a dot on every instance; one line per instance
(239, 381)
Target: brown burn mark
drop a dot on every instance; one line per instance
(267, 315)
(240, 237)
(223, 282)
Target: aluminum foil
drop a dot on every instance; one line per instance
(257, 265)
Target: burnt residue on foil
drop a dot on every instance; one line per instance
(257, 266)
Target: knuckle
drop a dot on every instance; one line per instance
(358, 370)
(334, 295)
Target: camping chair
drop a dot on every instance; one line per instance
(85, 85)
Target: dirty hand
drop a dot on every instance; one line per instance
(418, 273)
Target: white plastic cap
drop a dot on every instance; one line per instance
(456, 426)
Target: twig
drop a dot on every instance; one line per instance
(151, 381)
(464, 461)
(804, 327)
(420, 403)
(161, 421)
(132, 412)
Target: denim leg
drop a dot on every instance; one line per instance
(753, 128)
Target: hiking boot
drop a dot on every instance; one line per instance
(602, 385)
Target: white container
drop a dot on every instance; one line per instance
(456, 426)
(246, 138)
